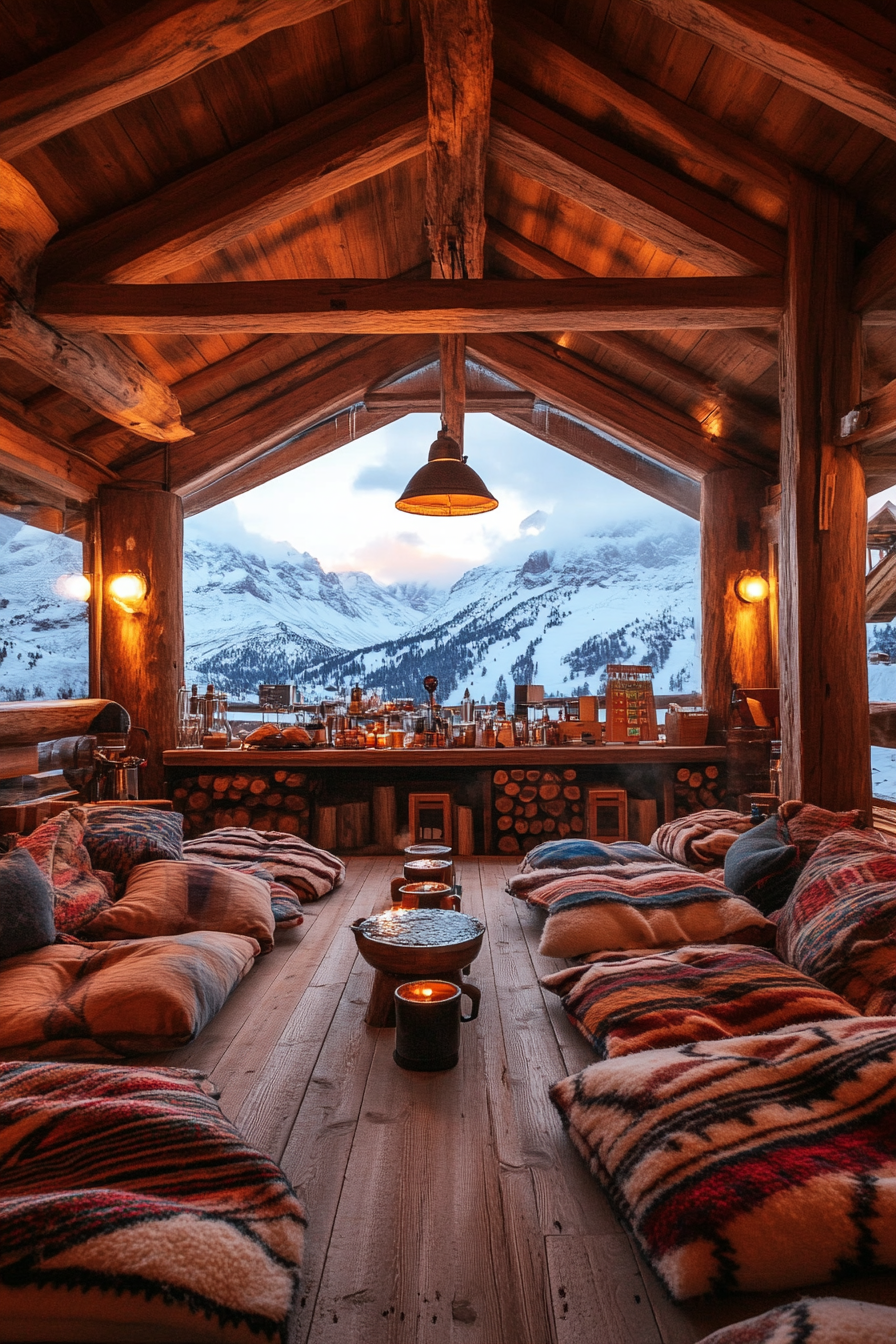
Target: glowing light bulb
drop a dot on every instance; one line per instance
(128, 590)
(751, 587)
(75, 587)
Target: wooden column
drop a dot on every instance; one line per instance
(452, 364)
(823, 660)
(142, 653)
(736, 649)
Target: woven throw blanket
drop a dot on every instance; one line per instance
(622, 1002)
(814, 1320)
(576, 852)
(701, 839)
(839, 923)
(310, 871)
(760, 1163)
(120, 1183)
(805, 825)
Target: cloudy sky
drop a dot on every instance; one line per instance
(341, 508)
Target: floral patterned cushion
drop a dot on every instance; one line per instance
(80, 894)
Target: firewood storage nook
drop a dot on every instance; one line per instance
(659, 235)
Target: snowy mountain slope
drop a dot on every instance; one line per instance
(43, 636)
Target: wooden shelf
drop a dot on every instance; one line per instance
(316, 758)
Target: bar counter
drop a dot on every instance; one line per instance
(493, 800)
(314, 758)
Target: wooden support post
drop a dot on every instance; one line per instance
(142, 657)
(736, 649)
(385, 826)
(824, 678)
(452, 361)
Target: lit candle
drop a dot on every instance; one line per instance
(427, 1025)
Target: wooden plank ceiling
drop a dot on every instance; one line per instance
(233, 225)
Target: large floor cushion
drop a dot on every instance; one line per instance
(623, 1003)
(311, 872)
(130, 1209)
(577, 852)
(760, 1163)
(168, 898)
(813, 1320)
(58, 850)
(106, 1000)
(637, 905)
(839, 924)
(119, 838)
(701, 838)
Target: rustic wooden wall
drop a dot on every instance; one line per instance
(142, 654)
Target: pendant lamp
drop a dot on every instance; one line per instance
(446, 487)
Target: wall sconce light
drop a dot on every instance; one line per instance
(751, 587)
(75, 587)
(128, 590)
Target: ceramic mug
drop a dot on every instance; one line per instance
(428, 896)
(427, 1023)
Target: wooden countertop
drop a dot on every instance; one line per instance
(315, 758)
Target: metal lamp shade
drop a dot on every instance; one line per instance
(446, 487)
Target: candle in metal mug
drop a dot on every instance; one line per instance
(427, 1025)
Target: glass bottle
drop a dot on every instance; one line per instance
(503, 727)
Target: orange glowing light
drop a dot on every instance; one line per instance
(427, 993)
(751, 587)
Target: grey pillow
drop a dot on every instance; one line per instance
(26, 905)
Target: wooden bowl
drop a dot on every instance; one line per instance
(418, 942)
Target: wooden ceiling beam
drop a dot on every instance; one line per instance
(873, 421)
(315, 442)
(423, 402)
(453, 380)
(237, 439)
(612, 406)
(457, 46)
(573, 437)
(680, 218)
(396, 306)
(345, 142)
(519, 250)
(874, 291)
(528, 44)
(47, 464)
(159, 43)
(90, 367)
(844, 58)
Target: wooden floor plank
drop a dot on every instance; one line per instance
(598, 1292)
(443, 1208)
(266, 1108)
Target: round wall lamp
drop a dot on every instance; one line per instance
(75, 587)
(128, 590)
(751, 587)
(446, 487)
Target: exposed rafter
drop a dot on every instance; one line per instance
(378, 306)
(519, 250)
(651, 478)
(844, 58)
(345, 142)
(88, 366)
(874, 291)
(340, 429)
(159, 43)
(457, 45)
(48, 465)
(237, 431)
(611, 405)
(680, 218)
(531, 48)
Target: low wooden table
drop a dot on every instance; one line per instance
(403, 945)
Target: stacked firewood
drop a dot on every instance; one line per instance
(697, 789)
(266, 800)
(535, 805)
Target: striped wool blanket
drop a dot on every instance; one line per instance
(701, 839)
(309, 871)
(760, 1163)
(814, 1320)
(636, 905)
(839, 923)
(126, 1198)
(622, 1003)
